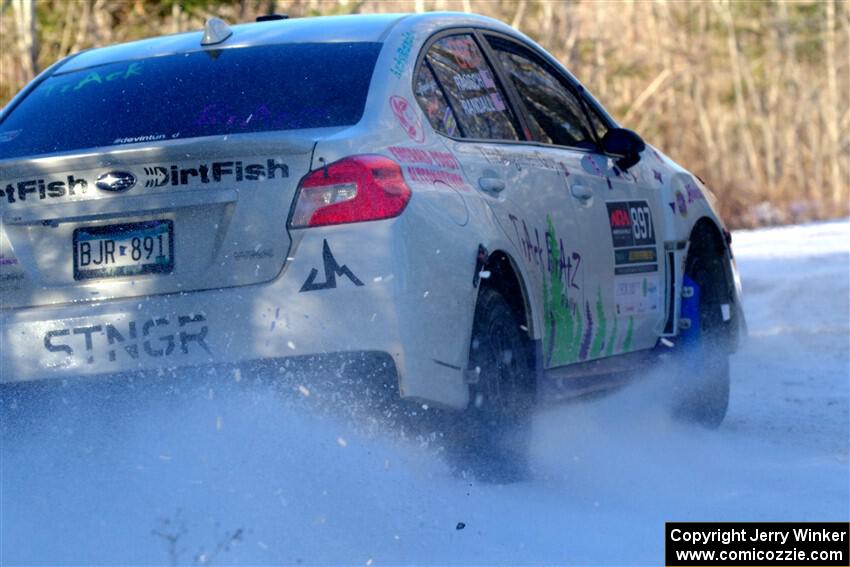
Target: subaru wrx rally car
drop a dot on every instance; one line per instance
(433, 191)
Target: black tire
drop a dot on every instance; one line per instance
(491, 437)
(701, 395)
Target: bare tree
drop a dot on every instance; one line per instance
(27, 40)
(749, 95)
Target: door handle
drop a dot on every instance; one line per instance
(491, 184)
(581, 192)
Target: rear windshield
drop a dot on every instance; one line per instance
(212, 92)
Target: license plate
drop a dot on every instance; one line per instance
(129, 249)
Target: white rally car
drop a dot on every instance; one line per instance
(431, 192)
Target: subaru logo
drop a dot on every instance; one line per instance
(116, 181)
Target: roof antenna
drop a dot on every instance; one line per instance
(216, 31)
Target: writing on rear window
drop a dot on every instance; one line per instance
(74, 83)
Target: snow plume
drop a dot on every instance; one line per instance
(188, 470)
(197, 471)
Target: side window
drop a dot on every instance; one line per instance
(432, 100)
(479, 103)
(555, 113)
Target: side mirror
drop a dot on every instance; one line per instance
(625, 145)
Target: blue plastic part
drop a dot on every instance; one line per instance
(690, 310)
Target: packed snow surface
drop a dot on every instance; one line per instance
(256, 474)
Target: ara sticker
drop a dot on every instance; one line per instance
(407, 117)
(332, 270)
(631, 223)
(633, 236)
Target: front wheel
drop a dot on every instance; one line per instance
(491, 436)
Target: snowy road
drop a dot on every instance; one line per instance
(249, 478)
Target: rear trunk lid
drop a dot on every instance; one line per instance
(182, 216)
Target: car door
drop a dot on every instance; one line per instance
(630, 221)
(524, 184)
(621, 276)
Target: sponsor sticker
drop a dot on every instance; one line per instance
(637, 294)
(429, 167)
(407, 117)
(156, 337)
(332, 269)
(154, 176)
(637, 287)
(402, 54)
(681, 204)
(694, 194)
(631, 223)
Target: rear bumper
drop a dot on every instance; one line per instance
(349, 384)
(272, 321)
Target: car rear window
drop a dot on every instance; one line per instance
(204, 93)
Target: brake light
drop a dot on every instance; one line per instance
(353, 189)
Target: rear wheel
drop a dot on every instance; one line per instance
(492, 436)
(701, 394)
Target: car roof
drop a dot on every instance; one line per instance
(321, 29)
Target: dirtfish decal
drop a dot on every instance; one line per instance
(215, 172)
(155, 176)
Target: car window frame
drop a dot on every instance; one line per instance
(560, 71)
(567, 82)
(513, 99)
(518, 120)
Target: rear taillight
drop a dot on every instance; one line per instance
(353, 189)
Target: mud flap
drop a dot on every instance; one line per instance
(689, 321)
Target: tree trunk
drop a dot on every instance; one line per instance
(25, 20)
